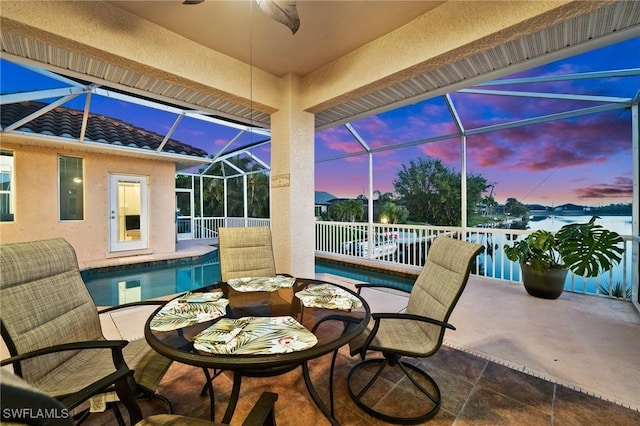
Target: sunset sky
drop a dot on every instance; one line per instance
(584, 160)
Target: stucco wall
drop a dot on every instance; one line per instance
(36, 204)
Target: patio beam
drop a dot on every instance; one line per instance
(629, 72)
(545, 118)
(541, 95)
(42, 94)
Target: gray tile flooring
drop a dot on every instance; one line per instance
(475, 392)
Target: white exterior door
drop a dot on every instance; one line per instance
(128, 215)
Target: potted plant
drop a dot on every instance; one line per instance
(587, 249)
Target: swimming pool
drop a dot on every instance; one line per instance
(115, 286)
(110, 287)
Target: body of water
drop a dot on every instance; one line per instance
(620, 224)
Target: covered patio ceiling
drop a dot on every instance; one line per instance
(330, 31)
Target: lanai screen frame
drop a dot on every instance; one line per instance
(224, 155)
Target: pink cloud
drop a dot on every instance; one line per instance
(622, 187)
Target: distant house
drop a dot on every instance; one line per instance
(104, 185)
(324, 199)
(322, 202)
(569, 210)
(538, 211)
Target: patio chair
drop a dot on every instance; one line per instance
(246, 252)
(52, 330)
(20, 400)
(416, 333)
(262, 414)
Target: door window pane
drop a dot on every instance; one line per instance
(129, 208)
(71, 188)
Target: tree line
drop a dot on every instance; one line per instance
(426, 192)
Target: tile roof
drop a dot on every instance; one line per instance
(322, 197)
(66, 123)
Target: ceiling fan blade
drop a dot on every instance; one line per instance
(282, 11)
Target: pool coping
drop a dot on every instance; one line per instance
(124, 264)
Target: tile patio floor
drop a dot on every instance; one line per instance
(495, 369)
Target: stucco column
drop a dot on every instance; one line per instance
(292, 183)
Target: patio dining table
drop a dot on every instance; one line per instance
(258, 327)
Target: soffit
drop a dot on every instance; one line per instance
(602, 26)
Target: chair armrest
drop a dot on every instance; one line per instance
(121, 375)
(412, 317)
(116, 347)
(262, 412)
(378, 317)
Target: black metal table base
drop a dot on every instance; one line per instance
(328, 411)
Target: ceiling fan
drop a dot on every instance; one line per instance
(283, 11)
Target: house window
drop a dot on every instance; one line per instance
(6, 186)
(70, 188)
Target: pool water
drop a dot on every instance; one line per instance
(364, 275)
(114, 287)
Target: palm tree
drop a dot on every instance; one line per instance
(384, 198)
(347, 210)
(258, 195)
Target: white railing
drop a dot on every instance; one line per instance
(207, 227)
(408, 245)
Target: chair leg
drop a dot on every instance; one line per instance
(118, 414)
(124, 389)
(149, 394)
(431, 403)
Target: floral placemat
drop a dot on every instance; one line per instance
(247, 284)
(328, 296)
(255, 336)
(190, 309)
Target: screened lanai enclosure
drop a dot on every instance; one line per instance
(546, 116)
(223, 177)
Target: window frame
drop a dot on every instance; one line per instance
(10, 192)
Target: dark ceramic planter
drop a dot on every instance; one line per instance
(548, 285)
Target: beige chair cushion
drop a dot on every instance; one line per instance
(246, 252)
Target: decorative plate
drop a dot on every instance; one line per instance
(255, 336)
(328, 296)
(247, 284)
(190, 309)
